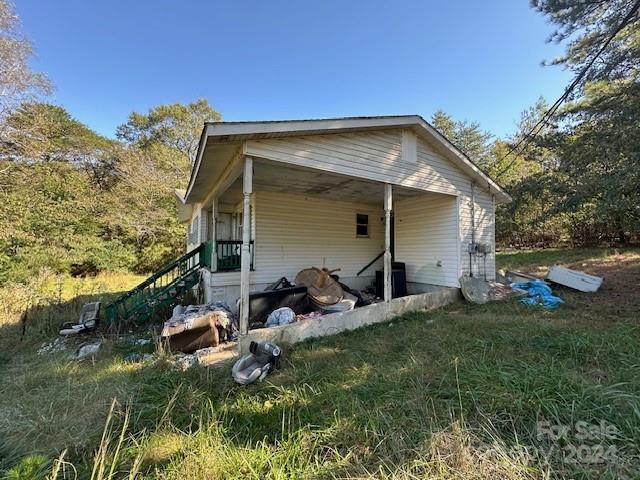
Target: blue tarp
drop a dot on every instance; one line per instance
(538, 293)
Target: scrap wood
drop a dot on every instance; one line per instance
(513, 276)
(205, 357)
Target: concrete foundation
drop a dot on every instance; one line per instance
(414, 288)
(340, 322)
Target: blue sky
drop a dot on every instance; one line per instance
(273, 59)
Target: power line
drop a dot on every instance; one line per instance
(552, 110)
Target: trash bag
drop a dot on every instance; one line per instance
(538, 293)
(255, 366)
(281, 316)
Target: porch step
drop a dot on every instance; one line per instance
(160, 290)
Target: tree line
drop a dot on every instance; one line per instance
(577, 180)
(75, 201)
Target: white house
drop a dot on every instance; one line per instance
(337, 193)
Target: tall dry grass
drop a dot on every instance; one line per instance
(48, 299)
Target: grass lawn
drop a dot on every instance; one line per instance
(467, 391)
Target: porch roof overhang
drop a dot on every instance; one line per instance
(270, 176)
(223, 140)
(184, 209)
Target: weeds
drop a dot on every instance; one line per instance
(455, 393)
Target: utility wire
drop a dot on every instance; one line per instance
(552, 110)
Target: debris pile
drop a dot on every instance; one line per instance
(59, 344)
(204, 357)
(538, 293)
(315, 292)
(309, 316)
(538, 290)
(281, 316)
(476, 290)
(322, 288)
(199, 326)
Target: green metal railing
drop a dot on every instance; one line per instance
(160, 289)
(229, 254)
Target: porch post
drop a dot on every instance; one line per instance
(214, 234)
(245, 265)
(388, 201)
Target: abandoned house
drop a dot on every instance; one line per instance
(359, 194)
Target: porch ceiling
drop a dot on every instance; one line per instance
(278, 177)
(215, 159)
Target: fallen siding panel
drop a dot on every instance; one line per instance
(573, 279)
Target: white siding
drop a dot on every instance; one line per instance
(195, 228)
(295, 232)
(426, 238)
(409, 146)
(484, 210)
(373, 155)
(377, 155)
(485, 232)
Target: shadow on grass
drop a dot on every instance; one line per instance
(372, 400)
(366, 402)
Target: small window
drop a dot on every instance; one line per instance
(362, 225)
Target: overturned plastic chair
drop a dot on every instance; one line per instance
(255, 366)
(88, 320)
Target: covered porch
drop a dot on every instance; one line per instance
(299, 217)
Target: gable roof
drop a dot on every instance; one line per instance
(240, 131)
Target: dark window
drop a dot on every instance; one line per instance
(362, 225)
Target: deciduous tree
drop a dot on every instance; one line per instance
(18, 82)
(177, 126)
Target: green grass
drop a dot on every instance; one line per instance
(455, 393)
(550, 256)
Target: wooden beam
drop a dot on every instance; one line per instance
(245, 265)
(388, 202)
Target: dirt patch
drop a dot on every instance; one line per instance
(620, 290)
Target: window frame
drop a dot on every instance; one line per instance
(359, 224)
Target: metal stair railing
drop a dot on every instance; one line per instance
(229, 254)
(159, 289)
